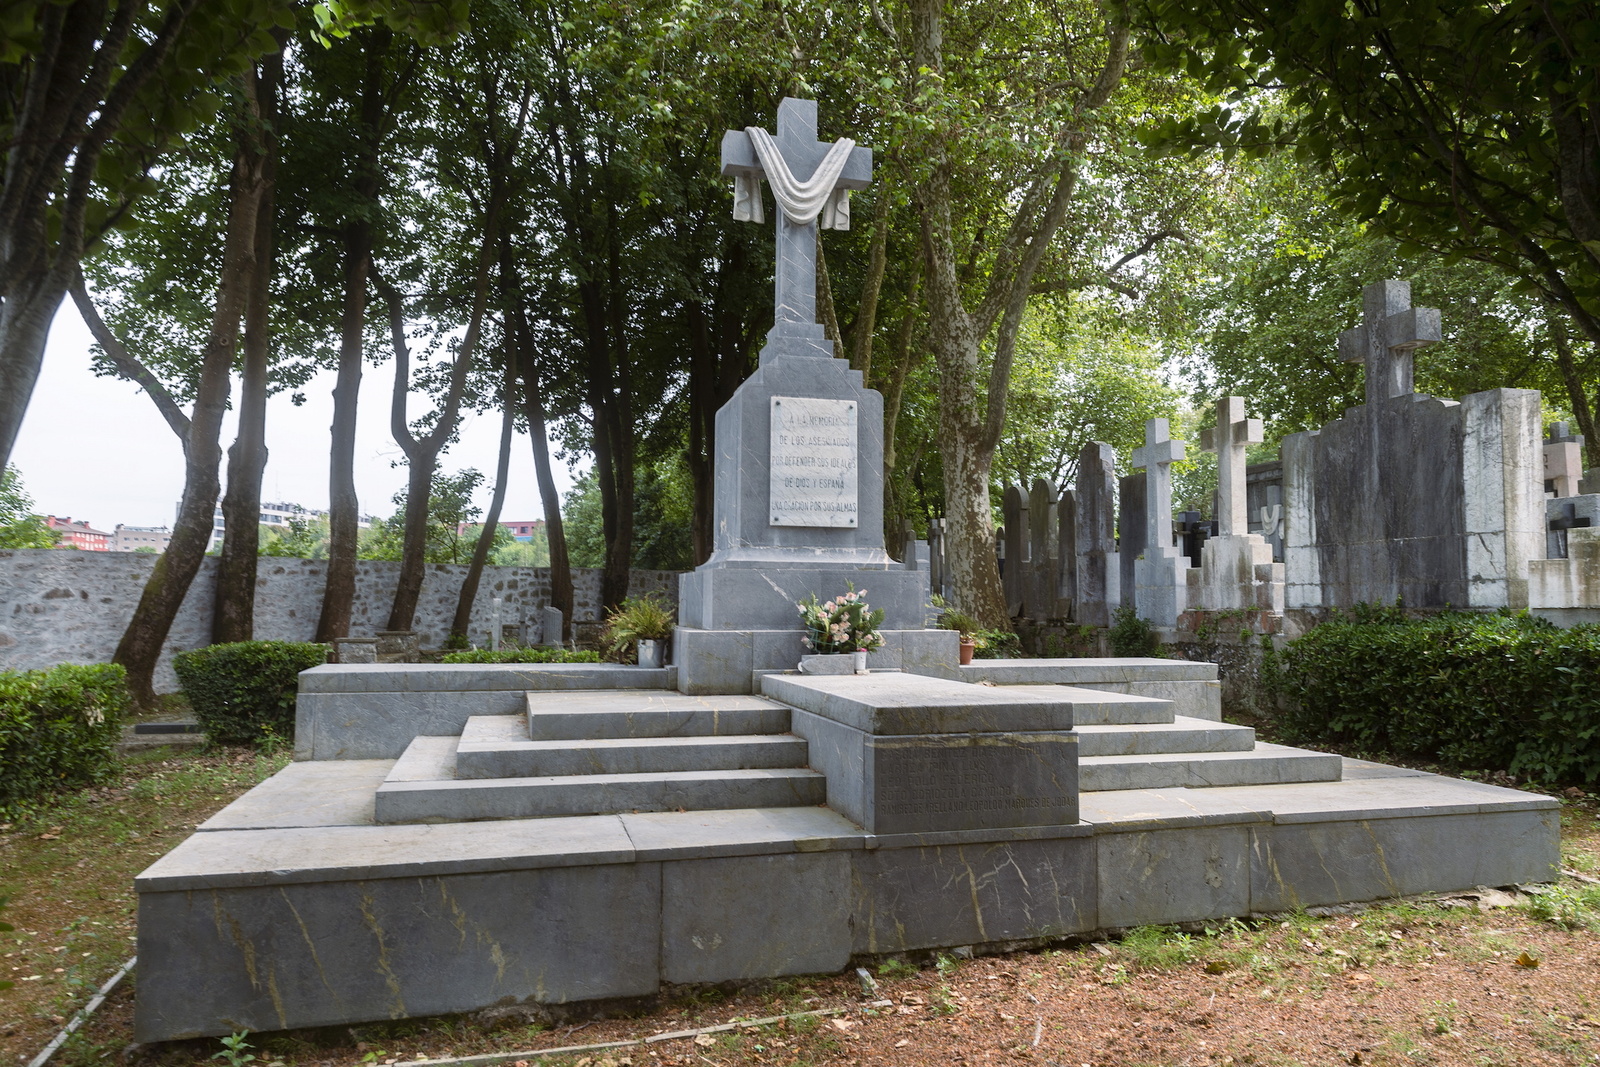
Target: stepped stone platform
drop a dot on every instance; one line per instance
(1193, 688)
(584, 844)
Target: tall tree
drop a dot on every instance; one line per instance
(141, 644)
(1465, 127)
(234, 602)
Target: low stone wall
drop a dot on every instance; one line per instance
(59, 606)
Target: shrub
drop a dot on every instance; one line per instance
(523, 655)
(1505, 691)
(243, 693)
(642, 618)
(996, 644)
(57, 728)
(1131, 636)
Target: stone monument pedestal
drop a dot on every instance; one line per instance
(1237, 572)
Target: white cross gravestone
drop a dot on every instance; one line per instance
(811, 181)
(1236, 569)
(1391, 329)
(798, 506)
(1159, 578)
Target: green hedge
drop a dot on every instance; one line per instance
(57, 728)
(523, 655)
(1505, 691)
(244, 693)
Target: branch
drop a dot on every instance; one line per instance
(128, 367)
(399, 429)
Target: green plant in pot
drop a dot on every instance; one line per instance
(964, 624)
(639, 629)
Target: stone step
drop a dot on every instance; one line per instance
(627, 755)
(575, 716)
(1097, 707)
(1183, 734)
(596, 794)
(1264, 765)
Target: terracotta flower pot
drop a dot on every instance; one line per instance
(967, 647)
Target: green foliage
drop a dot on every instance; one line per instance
(306, 538)
(996, 644)
(1158, 948)
(523, 655)
(642, 618)
(1570, 908)
(1131, 636)
(19, 527)
(244, 693)
(1503, 691)
(663, 516)
(951, 619)
(57, 728)
(451, 530)
(844, 624)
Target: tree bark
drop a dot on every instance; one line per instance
(970, 424)
(422, 453)
(140, 648)
(233, 614)
(561, 589)
(344, 506)
(866, 323)
(491, 521)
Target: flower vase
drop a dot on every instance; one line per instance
(859, 659)
(650, 652)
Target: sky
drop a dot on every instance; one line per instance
(95, 449)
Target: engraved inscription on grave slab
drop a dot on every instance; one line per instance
(813, 473)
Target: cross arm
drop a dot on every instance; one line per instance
(1412, 328)
(1151, 455)
(739, 157)
(1353, 345)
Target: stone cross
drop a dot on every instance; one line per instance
(1228, 440)
(1157, 456)
(1563, 461)
(802, 154)
(1390, 330)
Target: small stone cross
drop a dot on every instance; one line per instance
(801, 152)
(1390, 330)
(1156, 457)
(1566, 518)
(1228, 440)
(1563, 461)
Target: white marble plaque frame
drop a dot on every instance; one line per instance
(813, 463)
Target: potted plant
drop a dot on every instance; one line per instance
(840, 633)
(641, 625)
(965, 625)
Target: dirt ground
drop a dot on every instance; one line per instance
(1486, 978)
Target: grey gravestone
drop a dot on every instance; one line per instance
(1042, 579)
(1568, 513)
(1264, 503)
(1013, 548)
(1099, 574)
(799, 446)
(1563, 461)
(1130, 533)
(1067, 555)
(1430, 501)
(1236, 567)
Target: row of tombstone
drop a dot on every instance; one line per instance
(1436, 503)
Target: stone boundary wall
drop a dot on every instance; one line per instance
(61, 606)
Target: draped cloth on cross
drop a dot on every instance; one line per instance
(819, 198)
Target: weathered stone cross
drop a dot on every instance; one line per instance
(1563, 460)
(1390, 330)
(800, 201)
(1228, 440)
(1157, 456)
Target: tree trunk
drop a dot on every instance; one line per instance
(491, 521)
(344, 506)
(141, 644)
(26, 312)
(866, 323)
(561, 590)
(233, 615)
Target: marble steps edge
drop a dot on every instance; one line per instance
(546, 724)
(627, 755)
(1265, 764)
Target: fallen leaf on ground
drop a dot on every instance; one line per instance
(704, 1040)
(1216, 967)
(844, 1025)
(1527, 960)
(902, 1043)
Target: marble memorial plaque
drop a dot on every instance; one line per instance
(813, 472)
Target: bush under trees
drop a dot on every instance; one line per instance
(1506, 691)
(523, 655)
(57, 728)
(244, 693)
